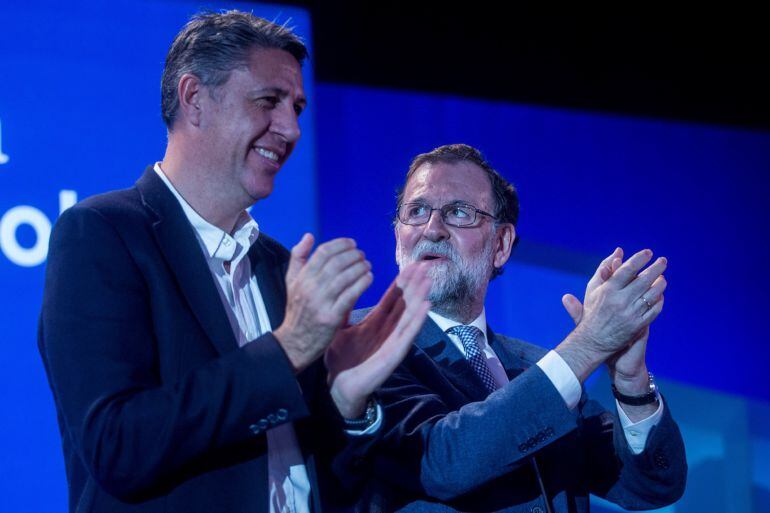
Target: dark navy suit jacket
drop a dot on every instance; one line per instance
(158, 407)
(448, 446)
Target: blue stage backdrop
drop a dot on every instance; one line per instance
(79, 114)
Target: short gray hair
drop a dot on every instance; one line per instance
(211, 45)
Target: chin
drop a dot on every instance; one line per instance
(259, 191)
(439, 270)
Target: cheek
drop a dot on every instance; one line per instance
(405, 242)
(473, 246)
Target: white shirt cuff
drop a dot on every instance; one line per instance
(371, 429)
(636, 432)
(562, 378)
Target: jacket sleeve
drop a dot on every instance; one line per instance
(429, 448)
(651, 479)
(135, 434)
(432, 449)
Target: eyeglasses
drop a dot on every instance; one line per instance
(453, 214)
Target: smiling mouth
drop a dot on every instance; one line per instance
(425, 258)
(268, 154)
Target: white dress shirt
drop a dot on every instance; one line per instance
(560, 374)
(288, 482)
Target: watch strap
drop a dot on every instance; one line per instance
(648, 397)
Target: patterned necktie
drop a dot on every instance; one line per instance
(469, 335)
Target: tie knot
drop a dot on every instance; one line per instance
(469, 336)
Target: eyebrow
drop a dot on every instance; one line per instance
(422, 200)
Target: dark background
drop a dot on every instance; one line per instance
(706, 64)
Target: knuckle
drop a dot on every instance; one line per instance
(327, 317)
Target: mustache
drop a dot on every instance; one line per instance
(442, 248)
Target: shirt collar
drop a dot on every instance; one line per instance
(444, 323)
(217, 243)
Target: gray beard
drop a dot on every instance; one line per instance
(457, 284)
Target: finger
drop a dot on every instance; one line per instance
(343, 279)
(348, 297)
(616, 263)
(298, 258)
(392, 294)
(328, 250)
(415, 294)
(385, 304)
(630, 268)
(573, 306)
(651, 314)
(410, 280)
(416, 290)
(395, 347)
(655, 292)
(411, 322)
(604, 271)
(413, 280)
(407, 274)
(646, 278)
(410, 287)
(338, 263)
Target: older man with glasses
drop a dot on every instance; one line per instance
(477, 421)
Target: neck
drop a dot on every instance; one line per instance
(192, 179)
(463, 312)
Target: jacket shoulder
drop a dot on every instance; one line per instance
(114, 207)
(525, 350)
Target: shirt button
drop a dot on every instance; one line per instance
(226, 242)
(634, 433)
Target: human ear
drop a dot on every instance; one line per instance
(506, 234)
(189, 93)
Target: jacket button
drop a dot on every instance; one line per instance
(263, 423)
(536, 509)
(272, 419)
(254, 429)
(282, 414)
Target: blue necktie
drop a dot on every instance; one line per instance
(469, 336)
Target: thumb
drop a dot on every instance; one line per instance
(573, 306)
(299, 255)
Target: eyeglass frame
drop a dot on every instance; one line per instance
(441, 209)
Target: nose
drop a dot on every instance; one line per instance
(435, 229)
(285, 123)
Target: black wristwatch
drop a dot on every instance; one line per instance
(648, 397)
(366, 420)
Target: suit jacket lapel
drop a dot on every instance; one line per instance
(454, 366)
(269, 271)
(184, 255)
(511, 362)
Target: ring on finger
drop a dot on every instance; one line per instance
(646, 302)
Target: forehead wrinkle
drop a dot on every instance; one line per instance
(424, 182)
(421, 200)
